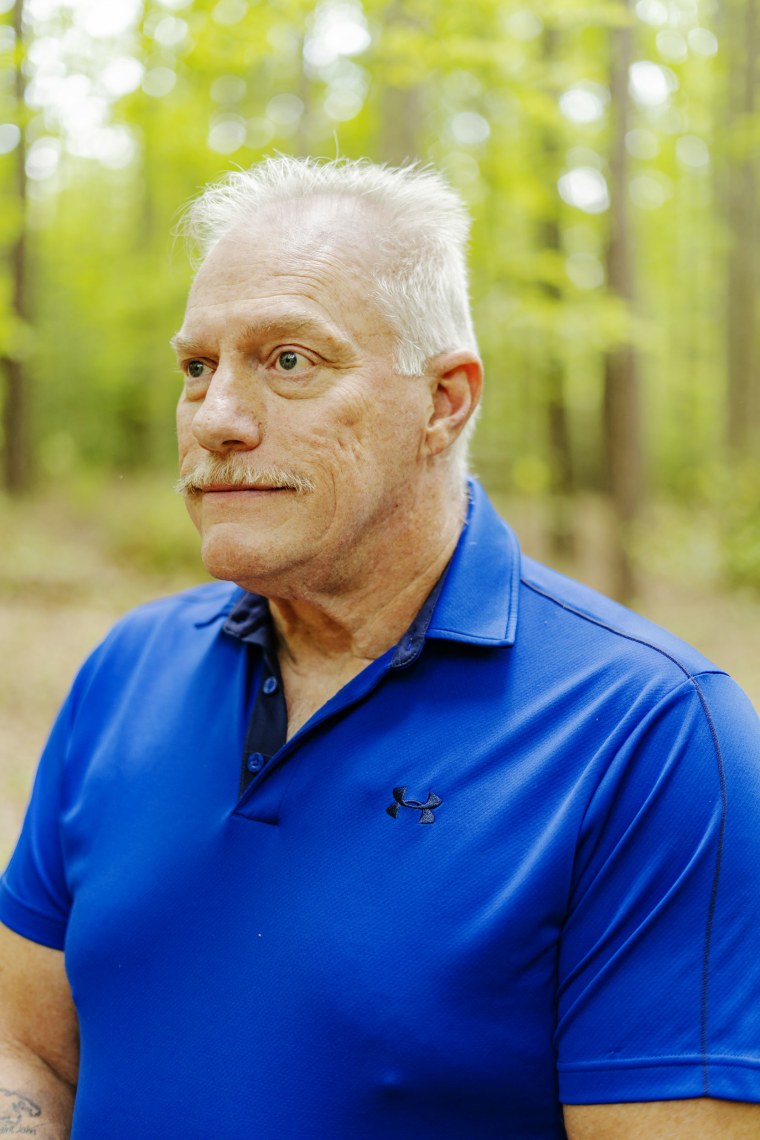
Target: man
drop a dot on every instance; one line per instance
(390, 832)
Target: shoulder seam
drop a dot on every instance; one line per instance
(693, 680)
(626, 636)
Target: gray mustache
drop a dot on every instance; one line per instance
(232, 473)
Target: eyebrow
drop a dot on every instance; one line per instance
(182, 343)
(292, 325)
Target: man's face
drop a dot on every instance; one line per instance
(288, 368)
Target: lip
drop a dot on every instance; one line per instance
(223, 489)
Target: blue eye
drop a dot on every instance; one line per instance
(288, 360)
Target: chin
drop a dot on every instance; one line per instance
(241, 559)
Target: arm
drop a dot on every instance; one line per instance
(700, 1119)
(660, 976)
(39, 1042)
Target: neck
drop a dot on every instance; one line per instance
(359, 623)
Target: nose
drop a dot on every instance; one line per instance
(229, 418)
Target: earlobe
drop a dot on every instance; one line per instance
(456, 380)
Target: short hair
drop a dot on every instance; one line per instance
(420, 282)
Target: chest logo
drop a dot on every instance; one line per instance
(426, 810)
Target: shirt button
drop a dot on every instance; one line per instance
(270, 686)
(255, 762)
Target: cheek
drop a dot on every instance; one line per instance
(341, 435)
(393, 429)
(185, 436)
(376, 413)
(193, 508)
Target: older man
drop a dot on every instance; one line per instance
(400, 835)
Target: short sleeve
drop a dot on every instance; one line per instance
(659, 986)
(34, 898)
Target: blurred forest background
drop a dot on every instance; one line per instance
(608, 150)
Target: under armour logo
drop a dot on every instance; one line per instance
(425, 810)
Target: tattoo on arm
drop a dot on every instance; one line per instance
(17, 1114)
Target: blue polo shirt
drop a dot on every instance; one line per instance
(511, 864)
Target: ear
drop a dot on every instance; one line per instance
(456, 381)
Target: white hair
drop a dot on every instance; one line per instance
(420, 282)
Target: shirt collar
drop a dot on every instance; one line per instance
(474, 601)
(479, 599)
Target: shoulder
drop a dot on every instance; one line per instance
(173, 629)
(587, 623)
(546, 619)
(194, 608)
(590, 662)
(196, 604)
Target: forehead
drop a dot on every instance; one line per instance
(325, 251)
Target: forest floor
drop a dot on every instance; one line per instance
(66, 574)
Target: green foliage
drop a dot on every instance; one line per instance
(89, 534)
(485, 90)
(738, 501)
(144, 525)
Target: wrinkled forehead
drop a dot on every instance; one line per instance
(343, 234)
(296, 260)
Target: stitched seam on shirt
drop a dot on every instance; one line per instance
(693, 679)
(669, 1060)
(714, 890)
(620, 633)
(469, 638)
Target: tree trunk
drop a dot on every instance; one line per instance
(403, 109)
(305, 135)
(743, 225)
(16, 464)
(561, 533)
(403, 104)
(622, 411)
(561, 521)
(562, 483)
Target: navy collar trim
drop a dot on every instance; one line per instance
(411, 644)
(249, 621)
(475, 600)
